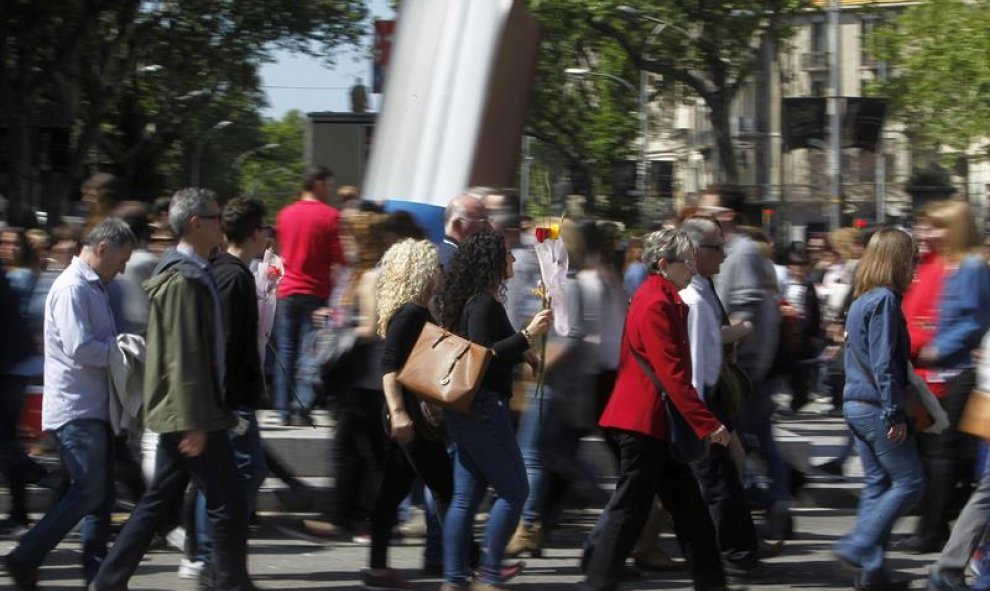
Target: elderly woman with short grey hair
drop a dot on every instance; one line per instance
(655, 351)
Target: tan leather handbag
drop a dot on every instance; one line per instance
(975, 419)
(445, 369)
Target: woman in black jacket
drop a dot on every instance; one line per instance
(486, 452)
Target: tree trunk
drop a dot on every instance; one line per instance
(727, 171)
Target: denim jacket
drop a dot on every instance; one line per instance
(965, 314)
(877, 349)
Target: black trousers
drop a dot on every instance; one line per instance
(721, 489)
(214, 471)
(421, 457)
(357, 451)
(646, 470)
(949, 460)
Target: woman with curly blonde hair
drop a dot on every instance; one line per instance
(409, 274)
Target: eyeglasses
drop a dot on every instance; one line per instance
(715, 247)
(691, 264)
(484, 220)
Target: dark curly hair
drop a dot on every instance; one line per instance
(477, 267)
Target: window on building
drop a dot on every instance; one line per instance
(819, 37)
(867, 27)
(819, 87)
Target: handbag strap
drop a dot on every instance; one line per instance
(649, 373)
(445, 379)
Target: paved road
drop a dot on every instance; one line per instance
(281, 562)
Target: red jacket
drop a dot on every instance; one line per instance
(656, 328)
(920, 306)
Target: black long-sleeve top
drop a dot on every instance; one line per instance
(400, 337)
(244, 384)
(485, 322)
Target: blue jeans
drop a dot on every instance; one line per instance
(249, 458)
(756, 426)
(531, 427)
(86, 449)
(293, 323)
(485, 452)
(894, 480)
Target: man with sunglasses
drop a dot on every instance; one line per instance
(747, 287)
(465, 215)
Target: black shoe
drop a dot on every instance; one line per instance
(24, 579)
(832, 467)
(916, 545)
(751, 572)
(942, 581)
(884, 586)
(433, 570)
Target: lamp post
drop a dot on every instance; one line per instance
(659, 27)
(244, 156)
(640, 106)
(200, 146)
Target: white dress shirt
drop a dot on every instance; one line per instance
(704, 333)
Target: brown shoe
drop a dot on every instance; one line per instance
(528, 538)
(325, 529)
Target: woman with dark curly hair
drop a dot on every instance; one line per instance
(486, 452)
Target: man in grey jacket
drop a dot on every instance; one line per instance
(747, 287)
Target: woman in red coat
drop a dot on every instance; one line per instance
(655, 331)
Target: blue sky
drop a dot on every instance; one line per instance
(304, 83)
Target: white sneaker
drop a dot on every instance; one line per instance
(189, 569)
(177, 539)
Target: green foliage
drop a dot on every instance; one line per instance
(710, 48)
(940, 88)
(139, 82)
(274, 176)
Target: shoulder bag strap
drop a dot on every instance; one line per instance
(649, 373)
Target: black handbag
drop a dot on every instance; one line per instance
(684, 444)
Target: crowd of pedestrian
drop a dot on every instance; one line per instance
(684, 346)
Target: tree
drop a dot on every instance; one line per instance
(590, 124)
(133, 79)
(940, 88)
(711, 48)
(275, 176)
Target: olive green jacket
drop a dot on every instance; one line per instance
(181, 381)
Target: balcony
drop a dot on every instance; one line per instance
(814, 60)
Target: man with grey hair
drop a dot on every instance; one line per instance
(183, 401)
(708, 333)
(465, 215)
(79, 333)
(748, 288)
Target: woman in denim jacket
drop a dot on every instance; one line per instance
(877, 345)
(964, 317)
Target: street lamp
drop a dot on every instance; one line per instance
(200, 145)
(660, 26)
(243, 156)
(641, 108)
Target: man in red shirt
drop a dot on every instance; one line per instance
(309, 244)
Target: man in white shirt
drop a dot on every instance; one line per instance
(716, 472)
(79, 332)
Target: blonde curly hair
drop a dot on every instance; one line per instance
(407, 273)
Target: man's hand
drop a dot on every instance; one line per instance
(193, 443)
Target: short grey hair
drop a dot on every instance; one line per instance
(666, 244)
(697, 227)
(113, 231)
(186, 203)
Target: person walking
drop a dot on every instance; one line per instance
(308, 237)
(877, 349)
(184, 376)
(485, 448)
(79, 333)
(655, 342)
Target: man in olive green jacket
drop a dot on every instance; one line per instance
(184, 368)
